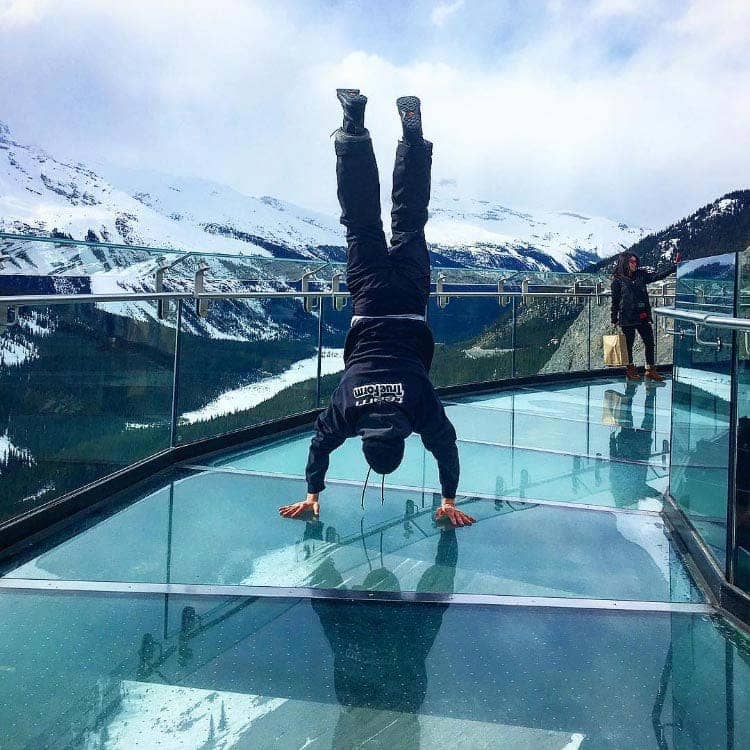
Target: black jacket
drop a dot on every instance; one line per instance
(385, 392)
(630, 303)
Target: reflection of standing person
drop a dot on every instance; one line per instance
(631, 309)
(385, 393)
(380, 653)
(629, 480)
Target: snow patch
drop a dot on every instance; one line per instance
(176, 717)
(7, 448)
(249, 396)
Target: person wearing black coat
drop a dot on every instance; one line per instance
(631, 309)
(385, 393)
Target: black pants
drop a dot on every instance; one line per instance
(646, 332)
(383, 280)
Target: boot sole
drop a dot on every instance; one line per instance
(408, 110)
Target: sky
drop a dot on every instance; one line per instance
(636, 110)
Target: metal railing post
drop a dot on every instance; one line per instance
(176, 377)
(442, 301)
(201, 305)
(339, 302)
(310, 304)
(525, 291)
(588, 336)
(513, 338)
(318, 383)
(162, 305)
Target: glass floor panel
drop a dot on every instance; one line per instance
(582, 401)
(633, 440)
(145, 671)
(224, 528)
(485, 469)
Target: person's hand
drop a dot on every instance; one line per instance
(448, 511)
(308, 506)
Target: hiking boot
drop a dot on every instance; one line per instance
(631, 373)
(411, 118)
(353, 104)
(653, 374)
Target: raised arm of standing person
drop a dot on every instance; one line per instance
(331, 430)
(671, 267)
(439, 437)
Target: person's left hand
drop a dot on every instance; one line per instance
(449, 511)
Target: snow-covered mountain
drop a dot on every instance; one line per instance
(41, 194)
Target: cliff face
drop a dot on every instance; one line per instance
(571, 354)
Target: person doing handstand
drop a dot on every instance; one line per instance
(385, 393)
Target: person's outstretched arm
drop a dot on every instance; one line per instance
(439, 437)
(667, 271)
(331, 431)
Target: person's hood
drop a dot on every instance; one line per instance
(390, 426)
(383, 435)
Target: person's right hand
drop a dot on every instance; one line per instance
(301, 509)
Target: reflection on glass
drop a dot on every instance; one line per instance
(631, 447)
(102, 671)
(370, 672)
(84, 391)
(699, 479)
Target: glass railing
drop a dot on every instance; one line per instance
(711, 409)
(107, 358)
(741, 514)
(701, 399)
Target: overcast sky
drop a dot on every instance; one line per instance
(633, 109)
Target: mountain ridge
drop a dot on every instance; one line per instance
(40, 194)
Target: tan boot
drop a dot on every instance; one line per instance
(631, 373)
(653, 374)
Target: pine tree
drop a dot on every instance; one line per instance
(223, 719)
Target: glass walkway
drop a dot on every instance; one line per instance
(155, 412)
(190, 615)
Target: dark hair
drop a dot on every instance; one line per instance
(621, 264)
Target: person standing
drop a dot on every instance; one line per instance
(631, 309)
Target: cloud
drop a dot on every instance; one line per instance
(631, 113)
(443, 11)
(18, 13)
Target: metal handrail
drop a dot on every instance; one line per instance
(64, 299)
(61, 299)
(707, 320)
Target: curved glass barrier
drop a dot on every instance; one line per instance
(699, 479)
(239, 361)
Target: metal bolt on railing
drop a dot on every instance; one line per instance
(442, 301)
(201, 305)
(339, 302)
(501, 300)
(525, 291)
(311, 304)
(162, 305)
(8, 316)
(599, 292)
(577, 289)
